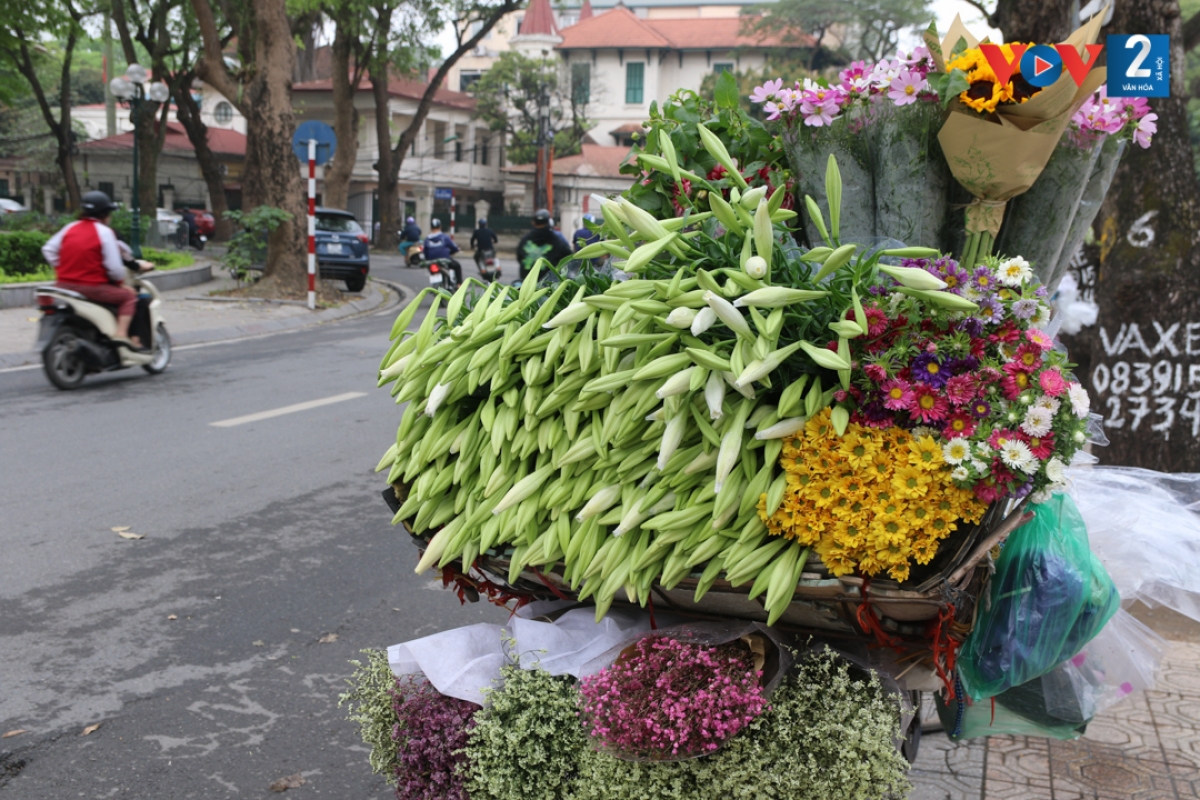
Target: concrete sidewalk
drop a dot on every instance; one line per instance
(1145, 748)
(192, 316)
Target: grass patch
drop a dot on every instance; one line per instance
(163, 260)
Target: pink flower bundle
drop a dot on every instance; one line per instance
(669, 698)
(1101, 115)
(902, 81)
(430, 736)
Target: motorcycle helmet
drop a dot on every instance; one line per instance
(435, 223)
(96, 204)
(410, 220)
(541, 217)
(483, 223)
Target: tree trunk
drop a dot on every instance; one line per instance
(346, 121)
(1037, 21)
(150, 135)
(389, 180)
(272, 172)
(188, 114)
(1144, 351)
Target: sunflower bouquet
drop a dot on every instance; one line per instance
(985, 92)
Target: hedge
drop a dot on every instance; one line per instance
(21, 252)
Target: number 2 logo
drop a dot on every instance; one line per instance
(1135, 69)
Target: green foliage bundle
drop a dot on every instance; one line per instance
(21, 253)
(526, 743)
(369, 701)
(829, 733)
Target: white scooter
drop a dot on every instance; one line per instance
(75, 333)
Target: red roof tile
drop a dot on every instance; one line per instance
(598, 160)
(222, 142)
(539, 19)
(399, 87)
(618, 27)
(621, 28)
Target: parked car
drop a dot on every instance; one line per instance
(342, 248)
(205, 224)
(9, 206)
(168, 221)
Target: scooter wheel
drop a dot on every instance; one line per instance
(162, 351)
(64, 369)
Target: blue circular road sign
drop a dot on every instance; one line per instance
(314, 129)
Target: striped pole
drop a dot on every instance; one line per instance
(453, 201)
(312, 224)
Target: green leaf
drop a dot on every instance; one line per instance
(955, 84)
(726, 91)
(959, 47)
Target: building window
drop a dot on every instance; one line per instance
(107, 188)
(483, 152)
(467, 79)
(519, 21)
(223, 113)
(458, 149)
(581, 83)
(635, 74)
(722, 67)
(4, 187)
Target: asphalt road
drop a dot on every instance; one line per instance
(212, 651)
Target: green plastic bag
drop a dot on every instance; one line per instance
(1048, 598)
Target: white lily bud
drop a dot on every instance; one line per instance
(678, 383)
(681, 318)
(672, 436)
(435, 398)
(756, 267)
(714, 395)
(601, 501)
(750, 199)
(914, 278)
(703, 320)
(728, 314)
(782, 429)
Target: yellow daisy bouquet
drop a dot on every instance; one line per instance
(869, 501)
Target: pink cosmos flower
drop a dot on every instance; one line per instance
(773, 110)
(927, 404)
(856, 78)
(768, 91)
(961, 389)
(905, 88)
(897, 394)
(1146, 128)
(821, 114)
(1052, 382)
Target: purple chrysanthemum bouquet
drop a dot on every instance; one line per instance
(670, 699)
(430, 735)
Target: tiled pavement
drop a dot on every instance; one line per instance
(1145, 748)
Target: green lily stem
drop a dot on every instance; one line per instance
(985, 246)
(970, 251)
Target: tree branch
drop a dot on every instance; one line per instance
(211, 67)
(26, 67)
(987, 15)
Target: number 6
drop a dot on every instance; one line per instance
(1136, 70)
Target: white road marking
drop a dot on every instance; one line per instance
(292, 409)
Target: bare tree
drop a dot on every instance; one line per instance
(473, 18)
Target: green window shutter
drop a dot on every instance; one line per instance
(635, 73)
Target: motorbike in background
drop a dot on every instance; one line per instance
(489, 267)
(413, 252)
(441, 274)
(185, 237)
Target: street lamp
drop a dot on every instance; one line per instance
(133, 89)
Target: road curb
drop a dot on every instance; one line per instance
(393, 294)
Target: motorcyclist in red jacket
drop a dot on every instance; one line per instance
(87, 259)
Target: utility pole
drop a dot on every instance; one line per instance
(110, 102)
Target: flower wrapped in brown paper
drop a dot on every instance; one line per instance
(999, 155)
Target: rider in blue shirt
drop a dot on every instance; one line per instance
(440, 245)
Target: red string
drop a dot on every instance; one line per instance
(551, 586)
(945, 650)
(871, 624)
